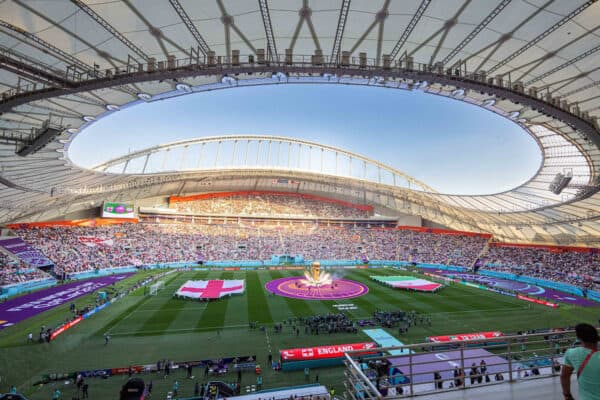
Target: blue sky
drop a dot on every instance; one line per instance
(450, 145)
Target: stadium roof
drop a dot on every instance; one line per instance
(67, 63)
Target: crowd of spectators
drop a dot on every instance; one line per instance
(78, 249)
(269, 205)
(581, 269)
(14, 271)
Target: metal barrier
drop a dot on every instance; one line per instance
(460, 364)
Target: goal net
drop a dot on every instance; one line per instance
(155, 287)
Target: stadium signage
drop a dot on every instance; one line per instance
(24, 252)
(536, 301)
(465, 336)
(65, 327)
(321, 352)
(61, 297)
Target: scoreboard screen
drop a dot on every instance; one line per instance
(118, 210)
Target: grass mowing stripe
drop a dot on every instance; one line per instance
(128, 311)
(214, 315)
(258, 309)
(160, 320)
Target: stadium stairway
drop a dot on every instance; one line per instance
(533, 389)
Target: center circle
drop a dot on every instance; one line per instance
(293, 287)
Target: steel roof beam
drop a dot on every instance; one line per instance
(32, 67)
(542, 35)
(409, 28)
(191, 27)
(504, 38)
(581, 89)
(535, 63)
(445, 29)
(339, 32)
(201, 70)
(266, 18)
(155, 32)
(564, 65)
(476, 31)
(109, 58)
(110, 29)
(44, 46)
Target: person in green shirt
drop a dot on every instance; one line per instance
(588, 375)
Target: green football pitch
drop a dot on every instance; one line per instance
(145, 329)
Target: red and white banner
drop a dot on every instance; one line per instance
(320, 352)
(465, 336)
(93, 241)
(64, 327)
(536, 301)
(212, 289)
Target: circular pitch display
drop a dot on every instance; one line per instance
(294, 287)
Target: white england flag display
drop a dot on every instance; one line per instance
(408, 282)
(212, 289)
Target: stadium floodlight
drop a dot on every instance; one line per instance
(88, 118)
(489, 102)
(279, 76)
(560, 182)
(112, 107)
(458, 92)
(514, 114)
(183, 87)
(144, 96)
(228, 80)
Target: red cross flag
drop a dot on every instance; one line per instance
(212, 289)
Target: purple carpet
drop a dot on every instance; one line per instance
(424, 365)
(520, 287)
(293, 287)
(27, 306)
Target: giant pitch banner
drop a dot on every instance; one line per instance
(23, 307)
(25, 252)
(407, 282)
(213, 289)
(320, 352)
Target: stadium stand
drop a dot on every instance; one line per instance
(78, 249)
(13, 271)
(560, 265)
(271, 204)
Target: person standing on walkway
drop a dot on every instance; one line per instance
(585, 360)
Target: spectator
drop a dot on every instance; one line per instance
(585, 360)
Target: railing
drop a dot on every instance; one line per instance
(507, 359)
(75, 76)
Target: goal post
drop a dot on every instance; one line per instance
(155, 287)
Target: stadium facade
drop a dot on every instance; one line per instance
(66, 64)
